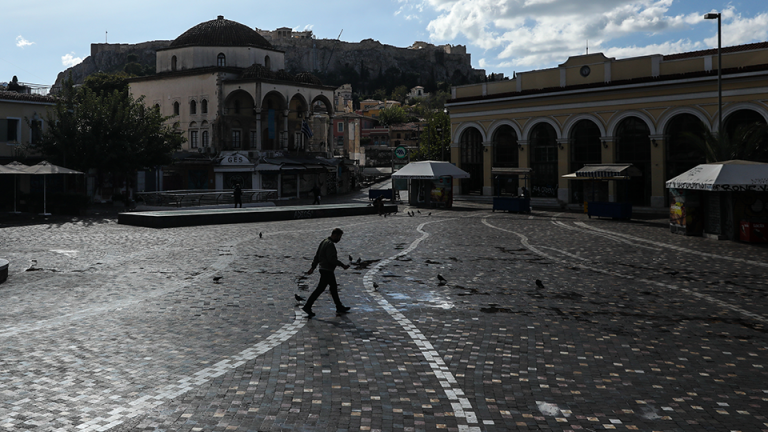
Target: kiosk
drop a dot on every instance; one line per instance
(430, 182)
(520, 203)
(598, 173)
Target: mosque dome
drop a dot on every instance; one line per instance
(221, 32)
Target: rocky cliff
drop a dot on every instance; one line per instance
(368, 64)
(107, 57)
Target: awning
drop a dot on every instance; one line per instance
(267, 167)
(605, 172)
(430, 170)
(734, 175)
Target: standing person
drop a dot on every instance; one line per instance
(238, 195)
(316, 193)
(326, 258)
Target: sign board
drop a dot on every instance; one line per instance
(401, 152)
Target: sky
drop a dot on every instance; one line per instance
(40, 39)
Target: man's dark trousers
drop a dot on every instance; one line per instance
(327, 277)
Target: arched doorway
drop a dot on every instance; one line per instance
(471, 147)
(737, 124)
(505, 155)
(585, 149)
(682, 152)
(633, 145)
(543, 148)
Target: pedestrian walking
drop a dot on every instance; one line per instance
(326, 258)
(316, 193)
(238, 193)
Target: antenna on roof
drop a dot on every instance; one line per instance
(587, 46)
(106, 38)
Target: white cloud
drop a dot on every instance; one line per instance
(542, 33)
(21, 42)
(69, 60)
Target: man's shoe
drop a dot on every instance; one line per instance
(343, 309)
(309, 312)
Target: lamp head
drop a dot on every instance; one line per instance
(712, 15)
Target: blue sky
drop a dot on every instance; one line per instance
(40, 39)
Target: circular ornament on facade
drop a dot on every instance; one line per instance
(585, 70)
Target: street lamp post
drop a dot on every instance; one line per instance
(717, 15)
(442, 144)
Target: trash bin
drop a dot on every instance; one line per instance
(753, 232)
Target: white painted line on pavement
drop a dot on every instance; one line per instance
(524, 241)
(462, 407)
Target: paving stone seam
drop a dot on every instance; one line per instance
(673, 247)
(527, 245)
(604, 235)
(163, 394)
(462, 407)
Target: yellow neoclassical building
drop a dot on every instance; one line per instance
(593, 109)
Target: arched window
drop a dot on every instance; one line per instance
(204, 106)
(267, 63)
(585, 149)
(505, 155)
(543, 149)
(471, 148)
(633, 145)
(157, 107)
(205, 139)
(221, 60)
(175, 108)
(173, 63)
(192, 107)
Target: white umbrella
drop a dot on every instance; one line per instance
(45, 168)
(734, 175)
(429, 170)
(13, 168)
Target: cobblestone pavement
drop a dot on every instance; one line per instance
(105, 327)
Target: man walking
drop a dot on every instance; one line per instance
(326, 258)
(316, 193)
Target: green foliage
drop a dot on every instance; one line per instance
(399, 93)
(107, 131)
(435, 139)
(748, 142)
(106, 83)
(392, 115)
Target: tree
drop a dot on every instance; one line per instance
(392, 115)
(399, 93)
(749, 142)
(106, 131)
(435, 139)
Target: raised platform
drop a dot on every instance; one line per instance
(217, 216)
(3, 270)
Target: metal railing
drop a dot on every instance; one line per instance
(197, 197)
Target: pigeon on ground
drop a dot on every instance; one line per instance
(375, 286)
(359, 260)
(298, 298)
(418, 211)
(260, 235)
(216, 279)
(441, 279)
(539, 284)
(350, 258)
(430, 214)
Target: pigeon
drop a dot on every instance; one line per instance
(430, 214)
(298, 298)
(350, 258)
(539, 284)
(375, 286)
(260, 235)
(216, 279)
(441, 279)
(359, 260)
(418, 211)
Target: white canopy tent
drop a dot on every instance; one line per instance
(733, 175)
(430, 170)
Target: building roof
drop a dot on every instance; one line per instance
(221, 32)
(26, 97)
(713, 51)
